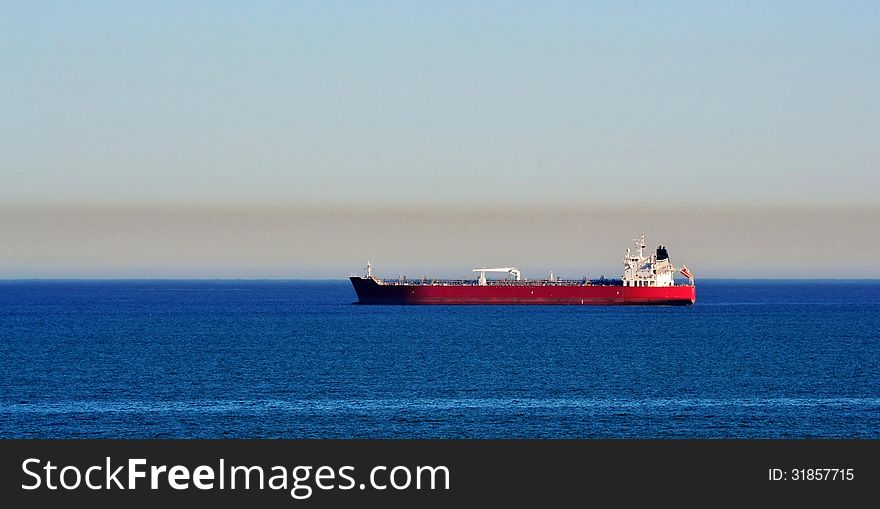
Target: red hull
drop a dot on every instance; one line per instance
(370, 292)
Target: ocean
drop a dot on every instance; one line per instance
(296, 359)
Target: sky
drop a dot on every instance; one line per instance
(249, 139)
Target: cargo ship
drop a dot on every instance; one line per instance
(646, 280)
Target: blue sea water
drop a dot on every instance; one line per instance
(295, 359)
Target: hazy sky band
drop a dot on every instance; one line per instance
(331, 243)
(437, 103)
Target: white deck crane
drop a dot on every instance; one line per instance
(510, 270)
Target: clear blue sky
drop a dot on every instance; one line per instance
(338, 103)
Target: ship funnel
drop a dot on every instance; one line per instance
(662, 254)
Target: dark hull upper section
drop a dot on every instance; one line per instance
(371, 292)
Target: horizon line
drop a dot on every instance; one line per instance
(346, 278)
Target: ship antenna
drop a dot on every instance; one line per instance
(369, 269)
